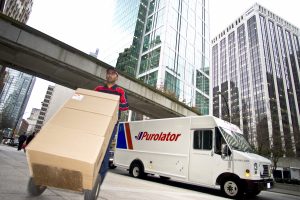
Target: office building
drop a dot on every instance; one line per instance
(14, 97)
(44, 108)
(59, 96)
(255, 79)
(17, 9)
(32, 120)
(165, 44)
(14, 85)
(23, 127)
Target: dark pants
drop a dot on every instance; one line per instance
(20, 145)
(105, 163)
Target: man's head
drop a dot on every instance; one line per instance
(111, 75)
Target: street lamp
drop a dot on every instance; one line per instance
(220, 93)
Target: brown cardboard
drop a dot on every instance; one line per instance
(67, 153)
(90, 102)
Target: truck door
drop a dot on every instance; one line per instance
(223, 163)
(202, 159)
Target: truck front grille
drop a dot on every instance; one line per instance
(264, 171)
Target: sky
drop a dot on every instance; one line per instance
(87, 26)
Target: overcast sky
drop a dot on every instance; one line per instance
(86, 25)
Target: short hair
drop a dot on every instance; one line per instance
(112, 69)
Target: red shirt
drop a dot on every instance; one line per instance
(116, 90)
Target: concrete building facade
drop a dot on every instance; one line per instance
(23, 127)
(32, 119)
(17, 9)
(255, 73)
(59, 96)
(44, 108)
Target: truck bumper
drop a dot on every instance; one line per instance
(255, 185)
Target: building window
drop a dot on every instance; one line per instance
(202, 82)
(202, 103)
(150, 60)
(215, 65)
(172, 85)
(150, 79)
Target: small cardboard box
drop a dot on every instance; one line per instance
(68, 151)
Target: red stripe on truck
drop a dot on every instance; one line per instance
(128, 136)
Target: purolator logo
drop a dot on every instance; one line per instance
(158, 136)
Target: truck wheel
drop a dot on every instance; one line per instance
(33, 189)
(232, 188)
(136, 170)
(94, 193)
(164, 178)
(253, 193)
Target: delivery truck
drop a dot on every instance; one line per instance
(199, 150)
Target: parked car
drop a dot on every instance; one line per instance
(14, 142)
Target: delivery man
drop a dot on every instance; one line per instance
(111, 87)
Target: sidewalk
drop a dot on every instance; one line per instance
(286, 189)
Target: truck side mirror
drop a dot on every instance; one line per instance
(225, 150)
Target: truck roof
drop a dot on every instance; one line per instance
(199, 122)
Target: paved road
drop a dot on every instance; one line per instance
(118, 185)
(264, 195)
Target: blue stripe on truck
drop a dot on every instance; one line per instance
(121, 141)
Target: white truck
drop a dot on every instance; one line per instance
(200, 150)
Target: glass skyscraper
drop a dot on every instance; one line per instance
(14, 97)
(164, 43)
(15, 86)
(255, 64)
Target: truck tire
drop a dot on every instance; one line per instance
(253, 193)
(164, 178)
(33, 189)
(136, 170)
(94, 193)
(232, 188)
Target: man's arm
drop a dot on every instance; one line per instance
(98, 88)
(123, 100)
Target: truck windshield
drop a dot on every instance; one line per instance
(236, 140)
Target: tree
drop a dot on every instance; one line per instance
(276, 153)
(263, 141)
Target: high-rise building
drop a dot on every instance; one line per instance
(14, 97)
(255, 65)
(13, 83)
(59, 96)
(23, 127)
(165, 44)
(17, 9)
(44, 109)
(2, 77)
(32, 119)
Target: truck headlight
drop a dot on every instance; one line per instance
(255, 166)
(247, 173)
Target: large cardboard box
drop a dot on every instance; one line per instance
(68, 151)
